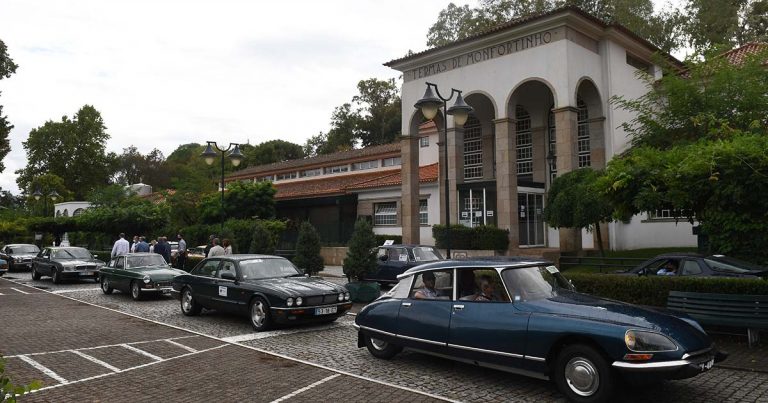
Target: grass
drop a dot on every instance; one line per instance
(634, 253)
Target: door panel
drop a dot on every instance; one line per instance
(203, 282)
(227, 293)
(494, 326)
(424, 318)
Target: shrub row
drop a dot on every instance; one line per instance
(654, 290)
(478, 238)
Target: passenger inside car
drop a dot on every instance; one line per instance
(482, 285)
(433, 285)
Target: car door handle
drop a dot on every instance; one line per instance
(458, 307)
(406, 304)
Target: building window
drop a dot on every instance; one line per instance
(423, 213)
(473, 149)
(667, 214)
(359, 166)
(77, 212)
(270, 178)
(287, 175)
(552, 140)
(310, 172)
(385, 213)
(390, 162)
(524, 150)
(337, 169)
(424, 141)
(639, 64)
(582, 141)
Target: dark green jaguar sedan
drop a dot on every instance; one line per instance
(138, 274)
(269, 289)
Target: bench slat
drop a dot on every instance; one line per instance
(713, 313)
(720, 297)
(719, 308)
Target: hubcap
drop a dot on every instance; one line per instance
(104, 284)
(257, 314)
(378, 344)
(186, 302)
(582, 376)
(135, 290)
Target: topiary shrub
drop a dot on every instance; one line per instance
(361, 258)
(262, 241)
(308, 250)
(482, 237)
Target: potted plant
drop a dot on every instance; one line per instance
(361, 260)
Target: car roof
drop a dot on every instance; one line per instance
(474, 262)
(20, 244)
(245, 256)
(64, 247)
(678, 254)
(139, 254)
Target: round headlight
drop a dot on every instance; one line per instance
(341, 296)
(147, 280)
(346, 296)
(643, 342)
(299, 301)
(289, 302)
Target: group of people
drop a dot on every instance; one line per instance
(218, 248)
(161, 246)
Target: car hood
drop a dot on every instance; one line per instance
(573, 304)
(298, 286)
(77, 262)
(23, 255)
(159, 272)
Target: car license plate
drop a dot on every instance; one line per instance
(86, 273)
(326, 311)
(165, 291)
(706, 366)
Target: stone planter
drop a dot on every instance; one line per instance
(363, 291)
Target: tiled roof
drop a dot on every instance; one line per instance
(427, 173)
(159, 197)
(358, 153)
(740, 54)
(524, 20)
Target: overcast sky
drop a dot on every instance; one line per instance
(164, 73)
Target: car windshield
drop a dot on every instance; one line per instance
(78, 253)
(730, 265)
(25, 249)
(534, 283)
(255, 269)
(426, 254)
(132, 262)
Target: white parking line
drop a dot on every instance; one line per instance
(96, 360)
(76, 290)
(18, 290)
(42, 369)
(190, 349)
(104, 346)
(142, 352)
(306, 388)
(263, 335)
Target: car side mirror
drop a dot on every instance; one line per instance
(227, 275)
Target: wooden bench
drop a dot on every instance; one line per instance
(732, 310)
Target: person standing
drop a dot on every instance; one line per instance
(134, 243)
(120, 247)
(181, 258)
(163, 249)
(209, 245)
(142, 246)
(227, 246)
(152, 246)
(216, 249)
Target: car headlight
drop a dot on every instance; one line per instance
(640, 341)
(299, 301)
(346, 296)
(289, 302)
(147, 280)
(341, 296)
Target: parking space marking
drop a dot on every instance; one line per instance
(18, 290)
(43, 369)
(76, 290)
(142, 352)
(306, 388)
(96, 361)
(263, 335)
(190, 349)
(105, 345)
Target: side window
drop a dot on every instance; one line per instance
(120, 263)
(226, 266)
(112, 263)
(381, 254)
(206, 268)
(481, 285)
(397, 254)
(654, 266)
(433, 285)
(47, 253)
(690, 268)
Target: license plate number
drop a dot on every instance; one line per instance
(326, 311)
(706, 366)
(165, 291)
(86, 273)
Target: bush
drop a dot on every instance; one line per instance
(308, 250)
(643, 290)
(381, 238)
(482, 237)
(360, 257)
(262, 242)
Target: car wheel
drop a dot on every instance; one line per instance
(380, 348)
(97, 278)
(35, 274)
(259, 314)
(105, 287)
(56, 276)
(135, 291)
(583, 375)
(189, 306)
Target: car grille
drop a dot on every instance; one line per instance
(163, 284)
(322, 299)
(86, 267)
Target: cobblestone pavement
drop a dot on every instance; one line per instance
(334, 346)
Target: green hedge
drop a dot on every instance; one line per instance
(478, 238)
(381, 238)
(654, 290)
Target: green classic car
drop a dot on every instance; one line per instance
(138, 274)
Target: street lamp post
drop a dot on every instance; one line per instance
(210, 156)
(429, 106)
(52, 195)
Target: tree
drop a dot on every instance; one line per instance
(7, 67)
(133, 167)
(241, 200)
(262, 241)
(573, 201)
(379, 117)
(726, 23)
(308, 250)
(273, 151)
(360, 258)
(73, 147)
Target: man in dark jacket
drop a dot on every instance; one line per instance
(163, 248)
(210, 244)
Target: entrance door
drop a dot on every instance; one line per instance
(530, 215)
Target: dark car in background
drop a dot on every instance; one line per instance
(19, 255)
(698, 265)
(394, 260)
(523, 316)
(3, 267)
(138, 274)
(268, 289)
(61, 263)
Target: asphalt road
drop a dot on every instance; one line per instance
(235, 363)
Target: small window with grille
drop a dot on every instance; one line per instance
(524, 145)
(473, 149)
(582, 140)
(423, 213)
(424, 141)
(385, 213)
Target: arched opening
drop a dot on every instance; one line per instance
(590, 137)
(476, 141)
